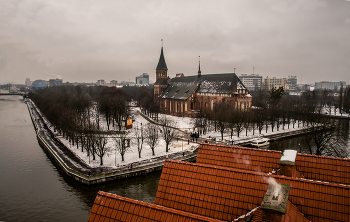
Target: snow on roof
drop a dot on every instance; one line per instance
(247, 214)
(240, 85)
(213, 86)
(289, 155)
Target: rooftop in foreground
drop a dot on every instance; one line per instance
(242, 184)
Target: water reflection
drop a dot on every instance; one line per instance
(143, 188)
(31, 187)
(299, 143)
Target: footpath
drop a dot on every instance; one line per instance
(71, 165)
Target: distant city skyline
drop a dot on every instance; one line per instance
(84, 41)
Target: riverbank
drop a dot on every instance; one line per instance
(73, 166)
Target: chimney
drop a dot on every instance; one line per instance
(275, 202)
(287, 163)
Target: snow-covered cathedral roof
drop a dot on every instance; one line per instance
(182, 87)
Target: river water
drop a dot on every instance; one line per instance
(31, 187)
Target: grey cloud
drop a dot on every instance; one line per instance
(88, 40)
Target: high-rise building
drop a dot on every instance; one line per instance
(113, 82)
(142, 79)
(28, 82)
(291, 84)
(251, 82)
(334, 86)
(274, 82)
(55, 82)
(101, 82)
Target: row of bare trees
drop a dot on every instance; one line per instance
(149, 134)
(275, 111)
(81, 115)
(78, 116)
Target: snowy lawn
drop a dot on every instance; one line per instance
(113, 158)
(185, 123)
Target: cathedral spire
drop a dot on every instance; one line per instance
(199, 67)
(161, 64)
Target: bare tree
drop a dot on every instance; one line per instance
(152, 138)
(325, 137)
(101, 148)
(247, 122)
(201, 121)
(346, 99)
(91, 145)
(221, 117)
(258, 115)
(122, 144)
(237, 119)
(140, 137)
(169, 131)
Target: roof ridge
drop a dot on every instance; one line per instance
(216, 167)
(243, 148)
(324, 157)
(258, 173)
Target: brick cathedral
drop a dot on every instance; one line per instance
(187, 95)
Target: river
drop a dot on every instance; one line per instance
(31, 187)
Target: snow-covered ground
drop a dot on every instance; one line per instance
(113, 158)
(185, 123)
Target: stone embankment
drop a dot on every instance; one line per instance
(71, 165)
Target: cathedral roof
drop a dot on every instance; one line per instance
(161, 64)
(182, 87)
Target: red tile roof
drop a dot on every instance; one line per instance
(239, 157)
(321, 168)
(111, 207)
(227, 193)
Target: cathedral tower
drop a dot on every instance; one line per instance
(161, 75)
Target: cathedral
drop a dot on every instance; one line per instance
(188, 95)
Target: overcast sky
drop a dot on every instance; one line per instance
(87, 40)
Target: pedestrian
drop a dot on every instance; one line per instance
(206, 141)
(188, 141)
